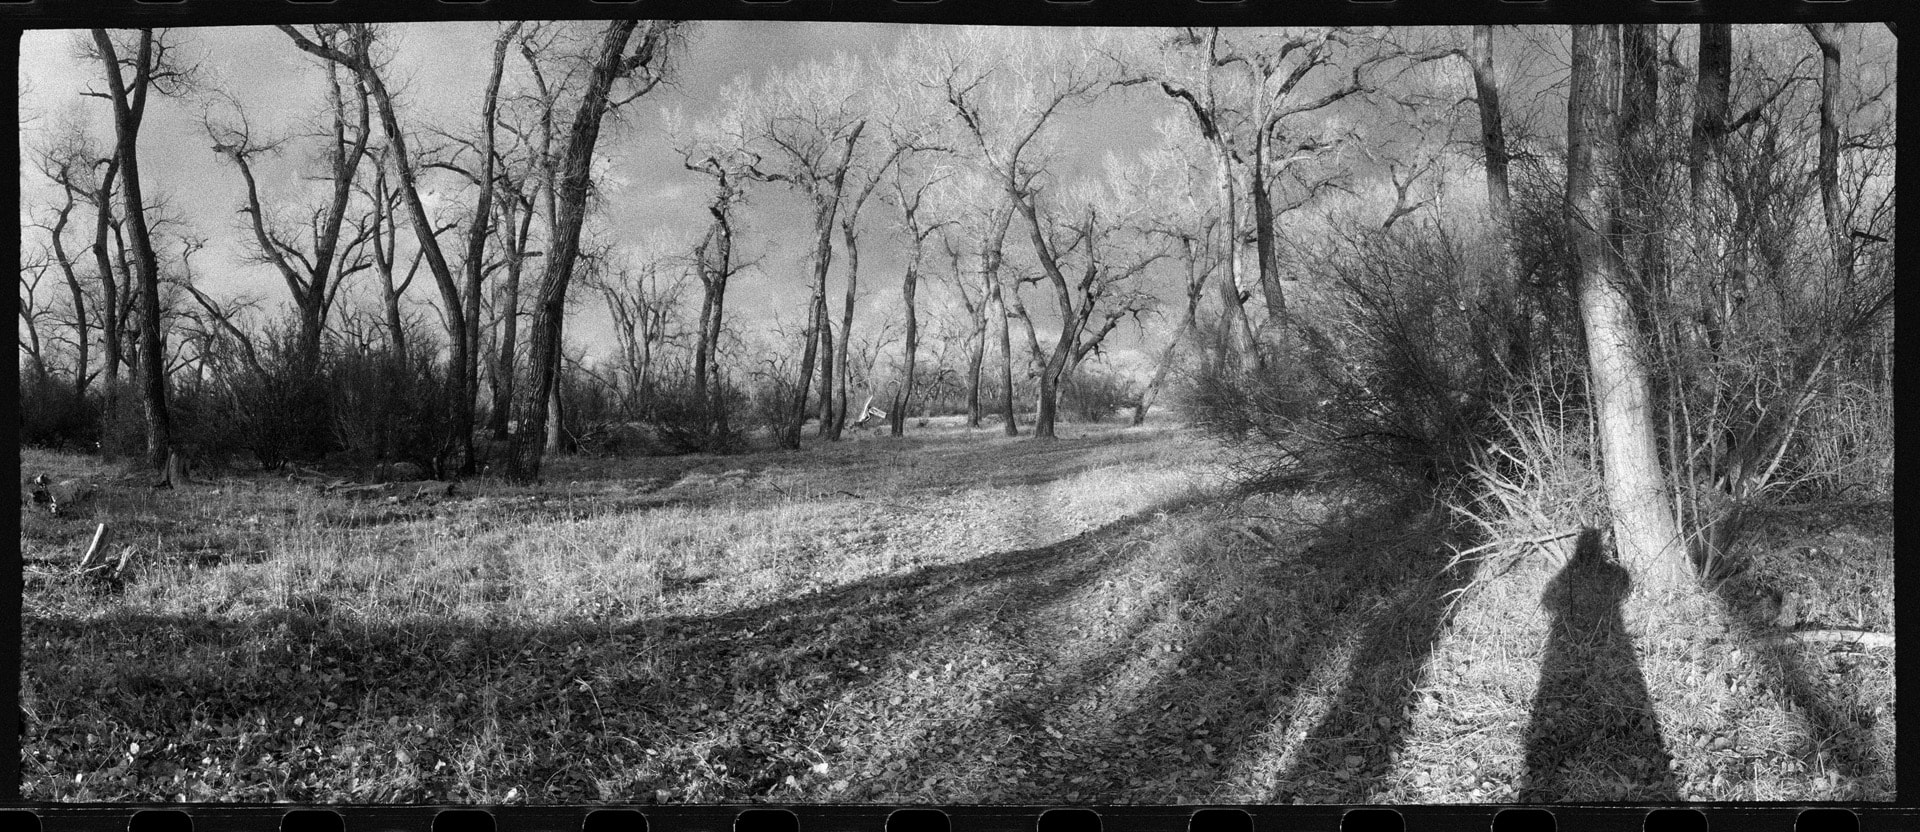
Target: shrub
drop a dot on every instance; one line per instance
(1399, 346)
(392, 407)
(1093, 394)
(55, 415)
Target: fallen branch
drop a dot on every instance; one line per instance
(99, 539)
(1862, 638)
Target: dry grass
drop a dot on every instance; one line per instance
(954, 618)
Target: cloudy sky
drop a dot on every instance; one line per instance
(442, 69)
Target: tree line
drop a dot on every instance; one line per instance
(1386, 248)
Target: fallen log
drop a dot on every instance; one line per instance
(1862, 638)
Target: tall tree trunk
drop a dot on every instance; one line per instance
(1493, 133)
(508, 342)
(564, 248)
(556, 437)
(1266, 252)
(358, 57)
(1832, 85)
(1196, 288)
(477, 235)
(76, 291)
(111, 301)
(1640, 163)
(976, 362)
(1706, 155)
(841, 373)
(1644, 529)
(824, 417)
(128, 110)
(716, 263)
(909, 286)
(826, 207)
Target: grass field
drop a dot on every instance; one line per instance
(953, 617)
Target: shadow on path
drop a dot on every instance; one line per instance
(1593, 733)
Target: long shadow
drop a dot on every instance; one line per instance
(1365, 728)
(1843, 740)
(642, 683)
(1592, 720)
(1210, 709)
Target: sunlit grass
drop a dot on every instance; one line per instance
(956, 618)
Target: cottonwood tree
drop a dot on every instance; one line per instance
(1762, 318)
(352, 46)
(642, 286)
(487, 173)
(381, 227)
(982, 218)
(136, 65)
(882, 155)
(1184, 64)
(312, 254)
(69, 161)
(715, 265)
(1645, 532)
(1006, 87)
(1171, 188)
(629, 51)
(801, 129)
(910, 185)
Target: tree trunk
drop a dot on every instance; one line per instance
(1195, 290)
(846, 327)
(1639, 136)
(460, 423)
(1493, 134)
(564, 248)
(716, 263)
(1264, 248)
(1833, 203)
(908, 288)
(976, 361)
(504, 351)
(128, 109)
(556, 438)
(826, 206)
(75, 289)
(111, 301)
(823, 425)
(997, 311)
(477, 234)
(1644, 529)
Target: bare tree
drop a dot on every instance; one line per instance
(151, 67)
(803, 130)
(1832, 86)
(646, 63)
(714, 263)
(352, 46)
(910, 186)
(1171, 191)
(69, 163)
(1098, 228)
(315, 268)
(643, 297)
(1644, 528)
(1007, 87)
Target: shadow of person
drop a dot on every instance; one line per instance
(1593, 733)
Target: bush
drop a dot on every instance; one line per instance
(54, 415)
(1093, 394)
(1400, 345)
(392, 407)
(684, 424)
